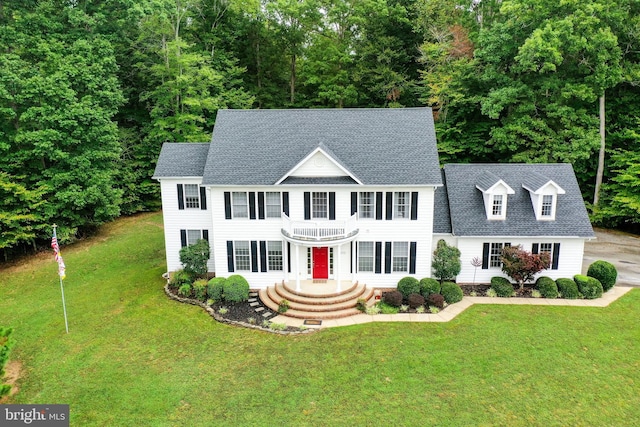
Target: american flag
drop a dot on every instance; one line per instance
(58, 256)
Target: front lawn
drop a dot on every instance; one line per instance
(135, 357)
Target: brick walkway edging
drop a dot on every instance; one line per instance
(452, 310)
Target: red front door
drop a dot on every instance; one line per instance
(320, 263)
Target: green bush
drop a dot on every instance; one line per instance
(194, 257)
(568, 288)
(200, 289)
(502, 286)
(429, 286)
(547, 287)
(392, 298)
(5, 346)
(605, 272)
(408, 285)
(185, 290)
(236, 289)
(215, 288)
(415, 300)
(589, 287)
(451, 292)
(180, 277)
(283, 306)
(361, 304)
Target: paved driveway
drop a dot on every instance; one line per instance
(620, 249)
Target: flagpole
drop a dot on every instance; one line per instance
(64, 305)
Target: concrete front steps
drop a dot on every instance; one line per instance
(309, 306)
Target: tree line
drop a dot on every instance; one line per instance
(89, 90)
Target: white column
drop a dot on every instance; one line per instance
(354, 262)
(297, 267)
(285, 261)
(338, 275)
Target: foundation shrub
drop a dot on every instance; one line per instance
(215, 288)
(408, 285)
(185, 290)
(415, 300)
(435, 300)
(393, 298)
(502, 286)
(547, 287)
(568, 288)
(605, 272)
(200, 289)
(236, 289)
(451, 292)
(589, 287)
(429, 286)
(180, 277)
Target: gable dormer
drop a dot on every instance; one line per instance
(320, 163)
(544, 195)
(494, 192)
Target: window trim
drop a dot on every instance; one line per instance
(314, 206)
(494, 256)
(237, 257)
(234, 204)
(271, 257)
(406, 205)
(371, 205)
(497, 204)
(550, 205)
(191, 201)
(366, 257)
(394, 257)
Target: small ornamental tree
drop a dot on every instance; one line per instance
(446, 261)
(194, 258)
(521, 265)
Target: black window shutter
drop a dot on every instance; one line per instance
(307, 205)
(387, 257)
(227, 205)
(203, 198)
(263, 256)
(379, 205)
(261, 205)
(332, 205)
(485, 256)
(412, 257)
(285, 203)
(351, 256)
(556, 256)
(180, 197)
(507, 245)
(354, 202)
(355, 259)
(230, 266)
(289, 257)
(389, 205)
(205, 235)
(252, 205)
(535, 248)
(378, 257)
(254, 256)
(183, 238)
(414, 205)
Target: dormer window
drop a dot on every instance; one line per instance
(497, 205)
(495, 193)
(547, 205)
(544, 196)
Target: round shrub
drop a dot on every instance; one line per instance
(393, 298)
(429, 286)
(215, 288)
(200, 289)
(451, 292)
(408, 285)
(589, 287)
(568, 288)
(436, 300)
(185, 290)
(605, 272)
(236, 289)
(415, 300)
(502, 286)
(547, 287)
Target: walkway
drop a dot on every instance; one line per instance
(453, 310)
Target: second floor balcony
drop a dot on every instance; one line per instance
(314, 231)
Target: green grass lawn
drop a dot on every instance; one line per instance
(134, 357)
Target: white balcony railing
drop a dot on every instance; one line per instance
(319, 230)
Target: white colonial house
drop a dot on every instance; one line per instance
(357, 196)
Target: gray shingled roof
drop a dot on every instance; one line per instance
(533, 181)
(181, 159)
(378, 146)
(441, 214)
(486, 180)
(468, 217)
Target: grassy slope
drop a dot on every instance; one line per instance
(133, 357)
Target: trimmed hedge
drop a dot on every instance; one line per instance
(451, 292)
(502, 286)
(589, 287)
(236, 288)
(393, 298)
(568, 288)
(215, 288)
(408, 285)
(429, 286)
(547, 287)
(436, 300)
(605, 272)
(415, 300)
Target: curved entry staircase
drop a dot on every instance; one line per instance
(313, 305)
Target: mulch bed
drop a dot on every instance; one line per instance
(481, 290)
